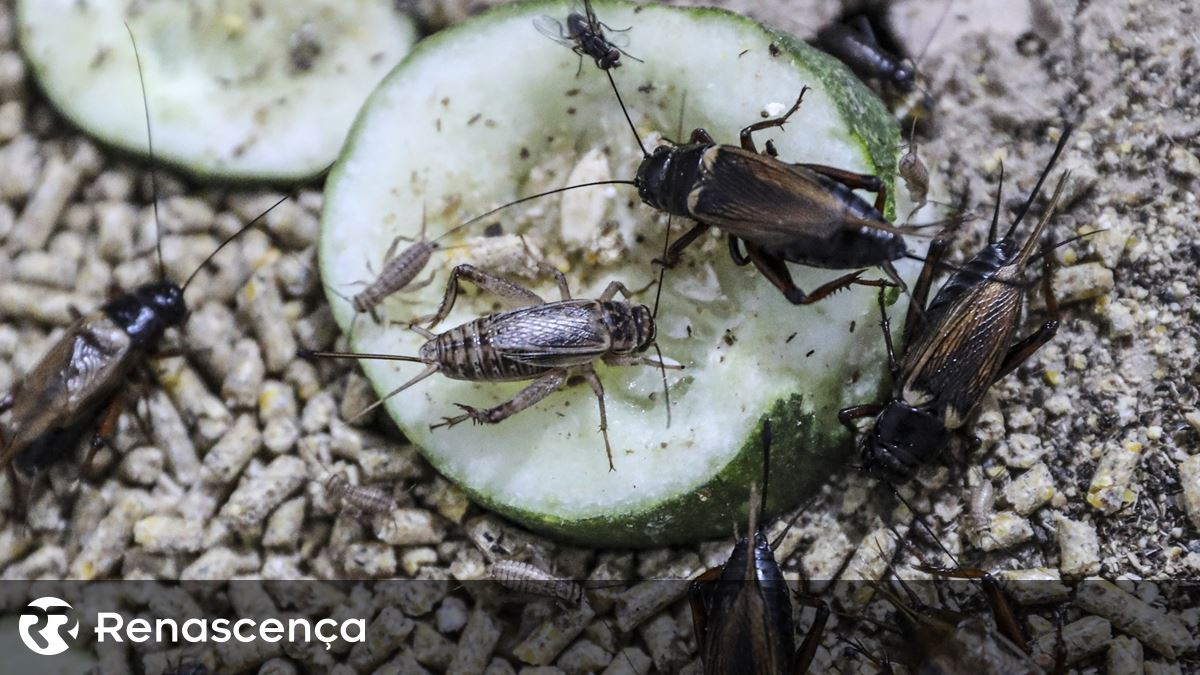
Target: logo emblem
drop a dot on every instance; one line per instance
(42, 623)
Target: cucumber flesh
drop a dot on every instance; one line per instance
(237, 89)
(491, 111)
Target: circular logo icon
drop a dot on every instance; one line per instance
(42, 623)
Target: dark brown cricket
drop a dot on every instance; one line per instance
(957, 346)
(742, 610)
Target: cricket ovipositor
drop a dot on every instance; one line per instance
(742, 611)
(584, 34)
(547, 342)
(78, 383)
(958, 346)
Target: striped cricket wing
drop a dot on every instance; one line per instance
(769, 202)
(553, 335)
(952, 364)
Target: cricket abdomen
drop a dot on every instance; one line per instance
(466, 353)
(846, 249)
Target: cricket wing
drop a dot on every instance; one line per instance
(79, 373)
(760, 198)
(553, 335)
(952, 364)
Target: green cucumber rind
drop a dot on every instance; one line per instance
(689, 517)
(803, 458)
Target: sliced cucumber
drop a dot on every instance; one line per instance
(492, 110)
(238, 89)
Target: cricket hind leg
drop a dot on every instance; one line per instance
(515, 294)
(853, 180)
(775, 270)
(747, 132)
(885, 324)
(1026, 347)
(807, 651)
(533, 393)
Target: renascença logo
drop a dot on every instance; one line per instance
(41, 625)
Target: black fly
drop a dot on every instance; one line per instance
(584, 34)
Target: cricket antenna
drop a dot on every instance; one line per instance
(1062, 143)
(662, 273)
(241, 230)
(933, 33)
(920, 519)
(522, 200)
(137, 57)
(625, 111)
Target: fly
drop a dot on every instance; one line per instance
(78, 383)
(547, 342)
(959, 345)
(584, 34)
(741, 611)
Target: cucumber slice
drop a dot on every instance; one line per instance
(238, 89)
(492, 110)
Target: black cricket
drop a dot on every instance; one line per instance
(958, 346)
(742, 612)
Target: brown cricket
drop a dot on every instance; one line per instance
(742, 612)
(959, 345)
(79, 383)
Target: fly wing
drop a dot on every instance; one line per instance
(74, 377)
(553, 335)
(553, 29)
(956, 359)
(771, 201)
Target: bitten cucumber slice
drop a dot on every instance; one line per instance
(491, 111)
(238, 89)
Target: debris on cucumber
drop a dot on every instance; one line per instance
(491, 111)
(237, 89)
